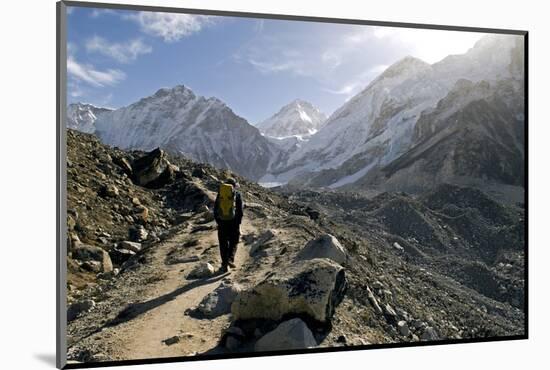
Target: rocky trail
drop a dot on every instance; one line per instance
(156, 325)
(314, 269)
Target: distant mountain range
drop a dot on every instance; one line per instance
(392, 118)
(416, 125)
(203, 129)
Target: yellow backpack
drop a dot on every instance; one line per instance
(226, 202)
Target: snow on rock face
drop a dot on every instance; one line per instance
(378, 123)
(82, 116)
(297, 118)
(203, 129)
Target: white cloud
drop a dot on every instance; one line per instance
(352, 87)
(170, 26)
(269, 67)
(428, 45)
(121, 52)
(74, 89)
(331, 59)
(344, 59)
(89, 74)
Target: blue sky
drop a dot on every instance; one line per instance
(255, 66)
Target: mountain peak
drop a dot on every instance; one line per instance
(299, 117)
(406, 65)
(176, 90)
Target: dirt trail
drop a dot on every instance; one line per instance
(166, 301)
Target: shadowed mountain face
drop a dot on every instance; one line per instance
(463, 117)
(473, 136)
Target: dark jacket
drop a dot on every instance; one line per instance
(238, 209)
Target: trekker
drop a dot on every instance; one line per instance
(228, 213)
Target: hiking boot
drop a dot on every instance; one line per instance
(232, 265)
(223, 269)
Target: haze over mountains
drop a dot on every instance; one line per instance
(416, 125)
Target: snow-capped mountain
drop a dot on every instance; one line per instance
(82, 117)
(474, 137)
(378, 125)
(298, 118)
(203, 129)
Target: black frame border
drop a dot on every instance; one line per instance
(61, 73)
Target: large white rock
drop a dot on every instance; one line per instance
(291, 334)
(312, 287)
(325, 246)
(201, 270)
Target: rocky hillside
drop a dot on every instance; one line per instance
(314, 269)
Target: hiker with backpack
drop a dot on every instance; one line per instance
(228, 213)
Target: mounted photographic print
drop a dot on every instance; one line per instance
(235, 184)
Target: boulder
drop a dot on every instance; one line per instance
(131, 246)
(201, 270)
(389, 313)
(106, 264)
(153, 170)
(138, 233)
(232, 343)
(142, 214)
(109, 190)
(92, 266)
(71, 223)
(85, 252)
(291, 334)
(312, 287)
(120, 255)
(72, 241)
(218, 302)
(325, 246)
(398, 246)
(233, 338)
(194, 196)
(76, 309)
(403, 328)
(429, 334)
(123, 164)
(182, 217)
(172, 340)
(373, 301)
